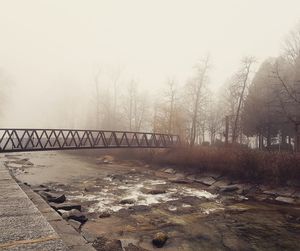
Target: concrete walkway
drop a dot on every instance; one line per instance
(22, 226)
(70, 237)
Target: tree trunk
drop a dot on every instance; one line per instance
(260, 141)
(248, 66)
(226, 129)
(196, 105)
(296, 138)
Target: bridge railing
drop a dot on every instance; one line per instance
(20, 140)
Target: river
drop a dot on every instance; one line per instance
(139, 200)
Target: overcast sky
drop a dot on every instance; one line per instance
(45, 45)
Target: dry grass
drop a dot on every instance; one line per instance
(246, 164)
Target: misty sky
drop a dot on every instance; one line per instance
(49, 48)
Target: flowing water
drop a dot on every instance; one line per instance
(142, 201)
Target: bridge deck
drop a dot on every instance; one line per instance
(16, 140)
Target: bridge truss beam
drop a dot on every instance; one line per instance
(23, 140)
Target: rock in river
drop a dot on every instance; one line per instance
(127, 201)
(160, 239)
(179, 180)
(65, 206)
(104, 214)
(206, 180)
(74, 214)
(154, 191)
(53, 197)
(286, 200)
(229, 188)
(104, 244)
(170, 171)
(132, 247)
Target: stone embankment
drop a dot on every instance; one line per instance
(22, 226)
(28, 223)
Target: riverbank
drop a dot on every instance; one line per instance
(127, 203)
(248, 165)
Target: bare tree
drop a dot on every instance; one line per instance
(131, 92)
(288, 99)
(214, 119)
(115, 77)
(5, 83)
(292, 45)
(202, 69)
(97, 82)
(242, 78)
(171, 95)
(135, 107)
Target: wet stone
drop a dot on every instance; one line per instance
(75, 224)
(104, 214)
(53, 197)
(286, 200)
(39, 189)
(270, 192)
(214, 175)
(132, 247)
(160, 239)
(124, 212)
(192, 200)
(180, 180)
(172, 208)
(139, 208)
(229, 188)
(155, 191)
(261, 197)
(127, 201)
(297, 194)
(286, 192)
(191, 177)
(65, 206)
(74, 214)
(107, 159)
(104, 244)
(116, 177)
(221, 183)
(170, 171)
(206, 180)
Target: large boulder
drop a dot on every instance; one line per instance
(74, 214)
(65, 206)
(160, 239)
(53, 197)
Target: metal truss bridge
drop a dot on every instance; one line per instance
(24, 140)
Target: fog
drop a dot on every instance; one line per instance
(53, 52)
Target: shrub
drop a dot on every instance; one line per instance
(237, 162)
